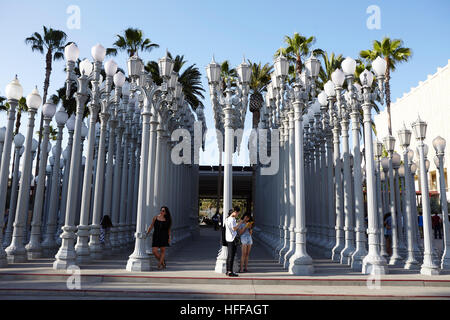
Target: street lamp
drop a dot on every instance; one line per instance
(18, 143)
(404, 136)
(439, 146)
(16, 251)
(49, 243)
(379, 174)
(13, 93)
(234, 103)
(373, 262)
(428, 266)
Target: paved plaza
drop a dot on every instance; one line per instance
(190, 275)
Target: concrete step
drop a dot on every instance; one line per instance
(58, 290)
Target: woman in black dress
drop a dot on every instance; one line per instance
(161, 236)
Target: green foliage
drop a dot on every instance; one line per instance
(260, 77)
(132, 41)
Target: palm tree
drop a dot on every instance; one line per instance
(259, 80)
(393, 52)
(298, 47)
(132, 41)
(190, 79)
(53, 43)
(330, 63)
(227, 74)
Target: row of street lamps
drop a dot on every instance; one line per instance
(133, 140)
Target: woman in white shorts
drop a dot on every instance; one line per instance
(245, 232)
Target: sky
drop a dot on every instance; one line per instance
(199, 29)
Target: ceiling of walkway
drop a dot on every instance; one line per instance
(242, 182)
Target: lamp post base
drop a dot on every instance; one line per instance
(221, 262)
(412, 264)
(336, 252)
(301, 265)
(429, 270)
(138, 264)
(374, 265)
(396, 260)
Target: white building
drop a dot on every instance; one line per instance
(431, 100)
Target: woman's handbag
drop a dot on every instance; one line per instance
(237, 240)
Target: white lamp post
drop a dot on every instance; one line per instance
(428, 266)
(13, 93)
(439, 146)
(16, 251)
(373, 262)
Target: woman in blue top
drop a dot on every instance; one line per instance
(245, 232)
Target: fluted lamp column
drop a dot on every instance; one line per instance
(16, 251)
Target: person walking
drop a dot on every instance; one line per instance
(245, 232)
(232, 239)
(215, 220)
(436, 224)
(388, 232)
(420, 223)
(161, 236)
(105, 225)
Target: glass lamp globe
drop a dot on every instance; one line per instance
(401, 171)
(439, 144)
(110, 68)
(71, 52)
(338, 77)
(366, 76)
(119, 79)
(49, 110)
(413, 168)
(427, 164)
(98, 52)
(396, 159)
(19, 139)
(244, 72)
(420, 129)
(213, 71)
(70, 124)
(348, 66)
(379, 66)
(61, 116)
(329, 88)
(48, 169)
(312, 65)
(389, 143)
(165, 65)
(65, 153)
(14, 90)
(126, 89)
(86, 67)
(34, 99)
(34, 145)
(404, 136)
(436, 161)
(385, 163)
(410, 155)
(2, 134)
(322, 98)
(84, 130)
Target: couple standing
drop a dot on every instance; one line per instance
(236, 232)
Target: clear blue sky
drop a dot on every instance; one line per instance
(227, 29)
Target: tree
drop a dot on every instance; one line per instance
(52, 42)
(298, 47)
(393, 52)
(330, 63)
(132, 41)
(259, 80)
